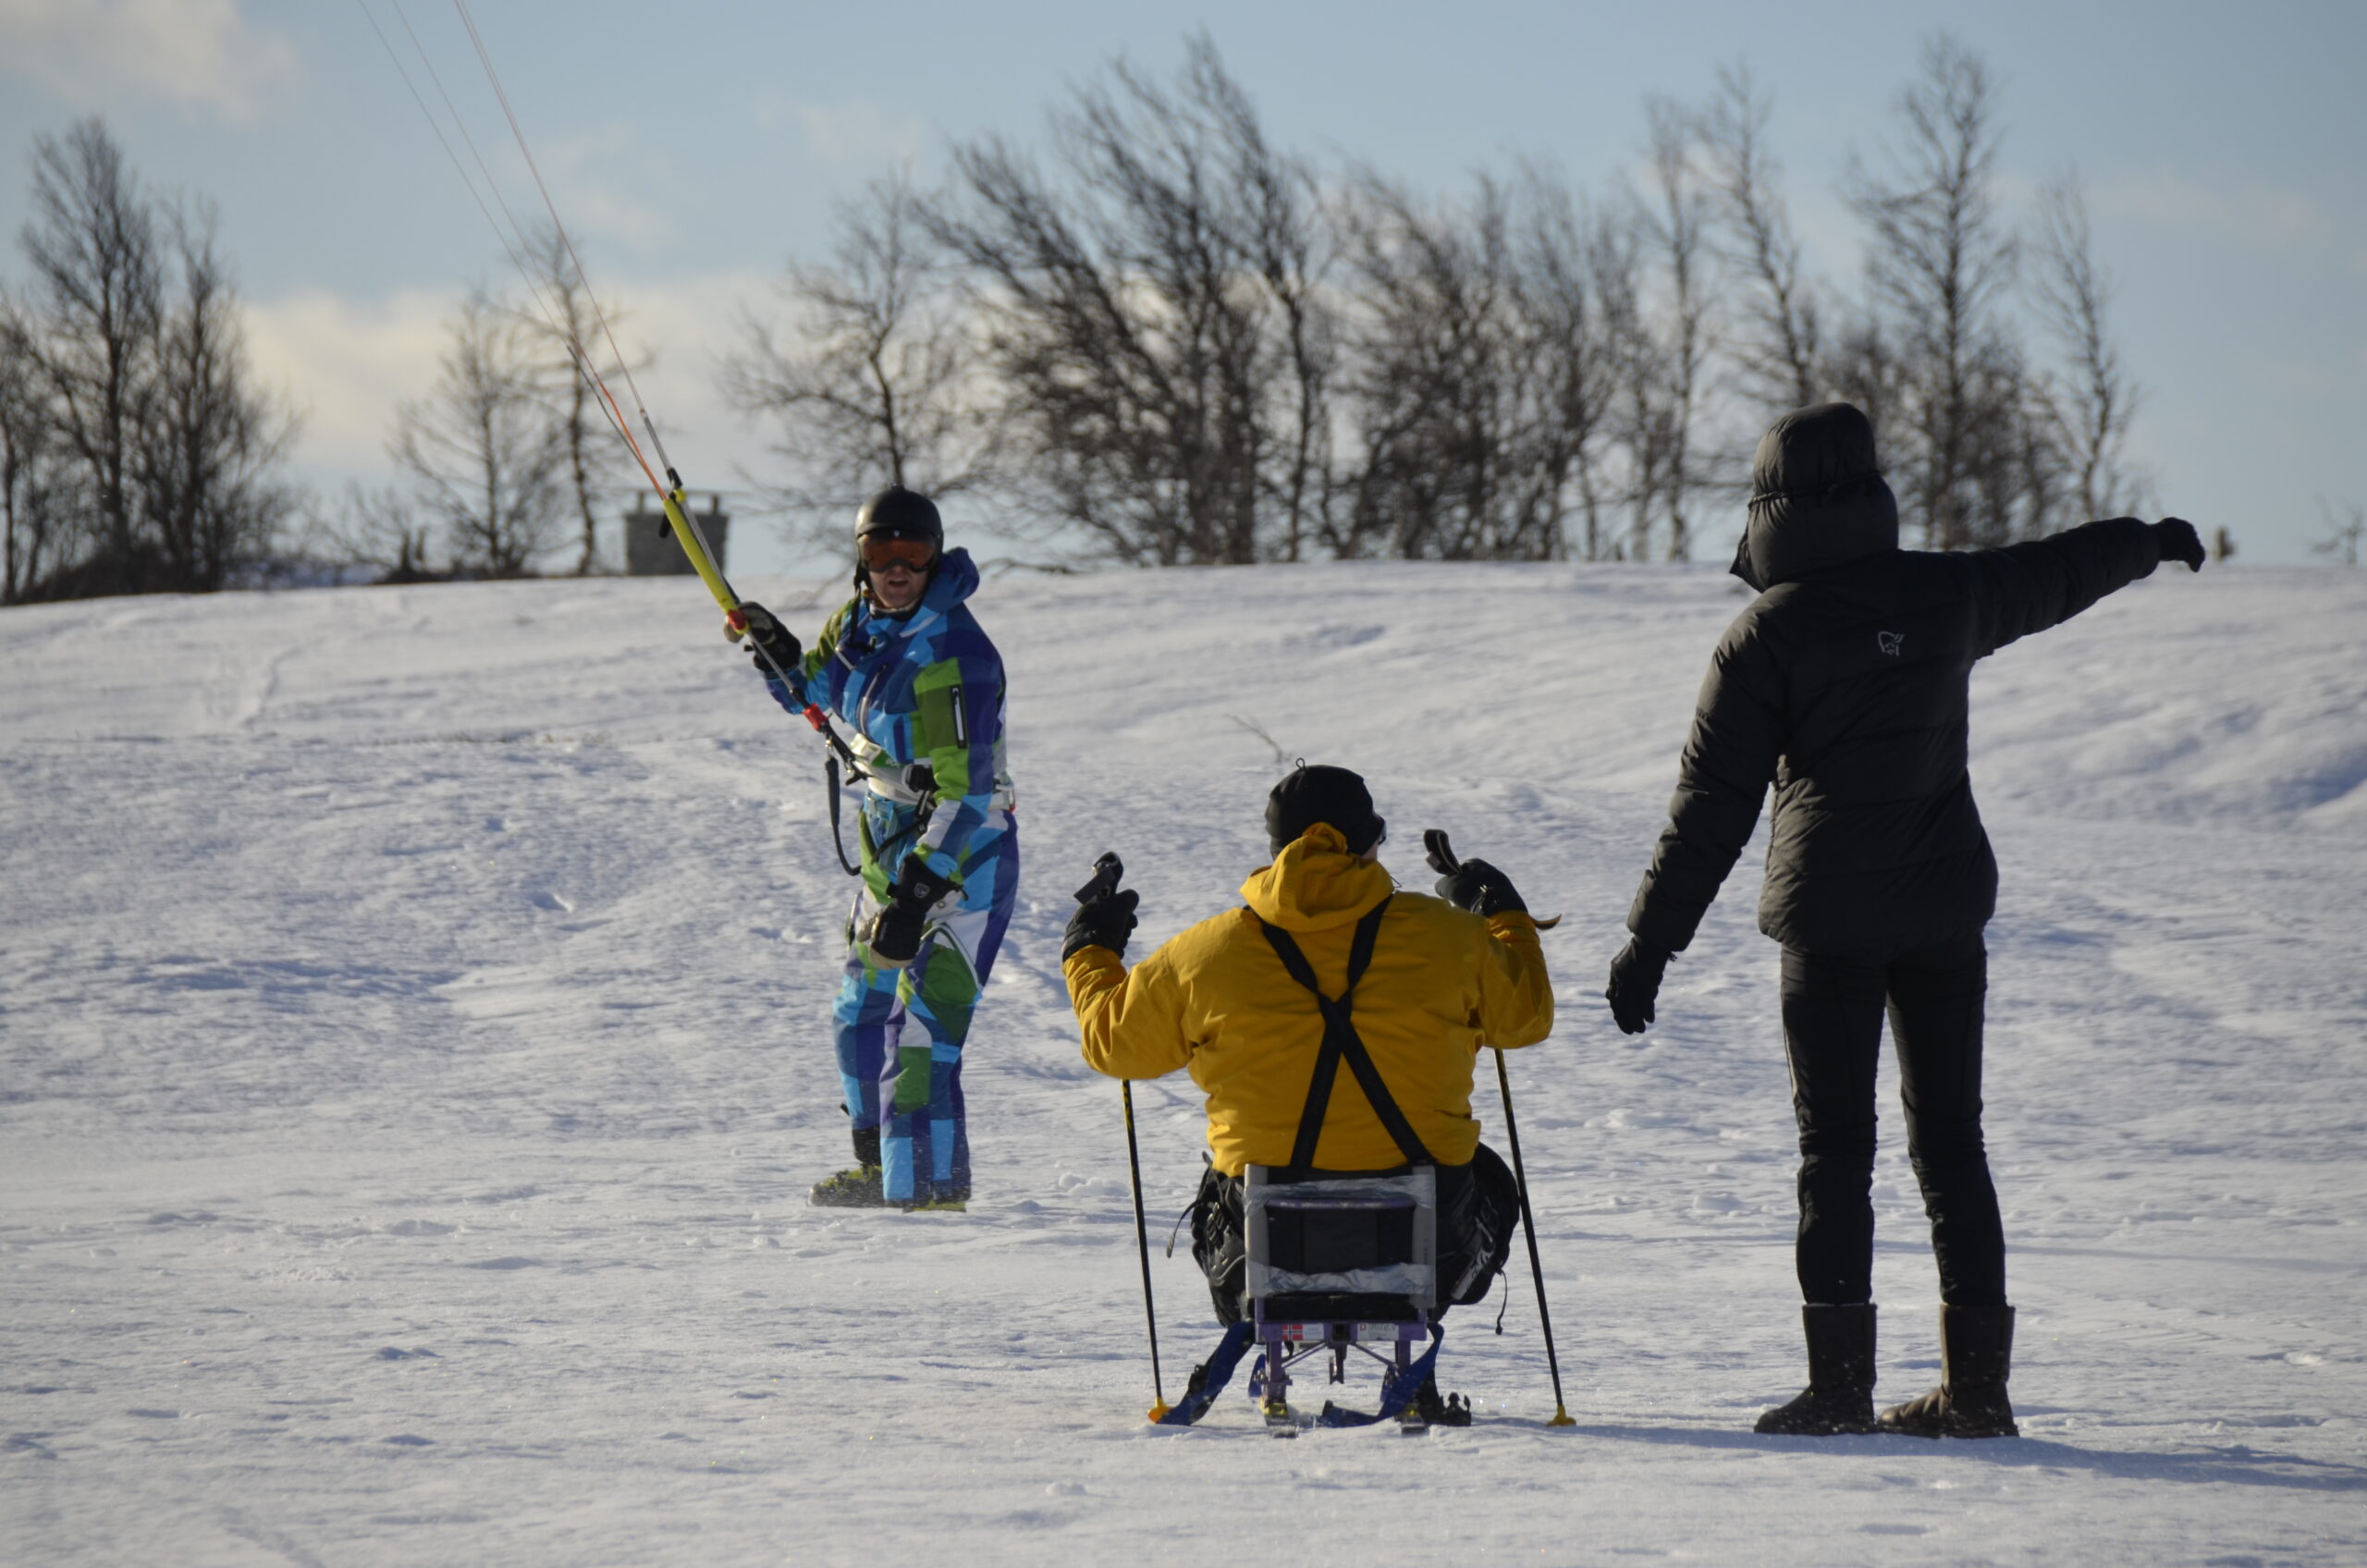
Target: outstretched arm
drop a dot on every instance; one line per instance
(774, 653)
(2043, 582)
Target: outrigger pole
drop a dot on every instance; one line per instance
(1105, 872)
(1142, 1247)
(1528, 1229)
(1441, 857)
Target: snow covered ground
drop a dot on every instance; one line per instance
(414, 1059)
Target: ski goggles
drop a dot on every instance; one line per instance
(880, 551)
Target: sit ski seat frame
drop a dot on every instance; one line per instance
(1339, 1262)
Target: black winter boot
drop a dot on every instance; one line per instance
(858, 1188)
(1976, 1359)
(1840, 1395)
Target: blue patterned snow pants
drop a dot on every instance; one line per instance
(910, 1088)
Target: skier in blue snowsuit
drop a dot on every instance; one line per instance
(908, 674)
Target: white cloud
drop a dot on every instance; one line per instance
(584, 170)
(2243, 208)
(859, 132)
(349, 363)
(196, 54)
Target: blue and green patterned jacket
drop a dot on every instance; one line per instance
(926, 686)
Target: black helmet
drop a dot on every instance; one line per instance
(900, 513)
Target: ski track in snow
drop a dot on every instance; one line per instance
(414, 1054)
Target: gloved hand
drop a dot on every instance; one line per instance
(1635, 984)
(1104, 922)
(1479, 887)
(2177, 540)
(895, 934)
(767, 638)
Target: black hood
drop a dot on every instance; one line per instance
(1818, 499)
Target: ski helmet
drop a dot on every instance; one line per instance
(900, 513)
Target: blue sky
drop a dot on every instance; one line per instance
(694, 147)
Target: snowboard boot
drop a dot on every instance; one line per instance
(1840, 1395)
(941, 1200)
(858, 1188)
(1976, 1359)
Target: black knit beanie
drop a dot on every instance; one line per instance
(1315, 793)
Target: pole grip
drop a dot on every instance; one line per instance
(687, 534)
(1107, 870)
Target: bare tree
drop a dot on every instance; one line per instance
(1430, 396)
(877, 377)
(141, 455)
(1639, 422)
(1290, 245)
(1676, 215)
(381, 527)
(2346, 528)
(1777, 347)
(206, 463)
(1192, 351)
(1865, 366)
(1152, 318)
(29, 471)
(564, 318)
(482, 451)
(1481, 378)
(2091, 413)
(1940, 261)
(99, 290)
(1565, 253)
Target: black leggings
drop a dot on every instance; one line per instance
(1832, 1023)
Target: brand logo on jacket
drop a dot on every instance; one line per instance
(1891, 642)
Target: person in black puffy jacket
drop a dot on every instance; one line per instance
(1845, 685)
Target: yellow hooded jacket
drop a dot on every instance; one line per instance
(1217, 999)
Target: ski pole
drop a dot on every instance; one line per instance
(1105, 872)
(1142, 1249)
(1441, 858)
(1528, 1229)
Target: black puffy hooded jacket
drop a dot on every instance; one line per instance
(1845, 684)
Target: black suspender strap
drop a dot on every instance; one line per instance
(1340, 1042)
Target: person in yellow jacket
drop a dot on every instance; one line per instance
(1442, 977)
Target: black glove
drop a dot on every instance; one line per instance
(895, 934)
(1635, 982)
(1480, 888)
(2177, 540)
(768, 639)
(1471, 884)
(1105, 922)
